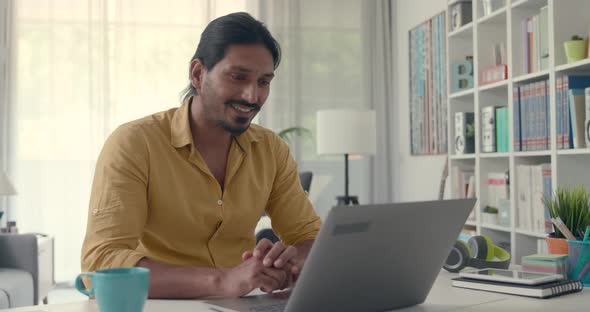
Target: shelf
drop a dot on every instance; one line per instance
(493, 155)
(463, 31)
(461, 94)
(531, 234)
(532, 154)
(463, 156)
(532, 77)
(568, 167)
(577, 151)
(471, 223)
(519, 4)
(451, 2)
(494, 85)
(528, 4)
(496, 227)
(496, 17)
(579, 66)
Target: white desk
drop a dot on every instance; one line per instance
(442, 297)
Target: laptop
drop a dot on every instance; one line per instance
(369, 258)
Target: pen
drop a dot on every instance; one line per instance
(563, 228)
(587, 234)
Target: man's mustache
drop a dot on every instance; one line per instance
(253, 106)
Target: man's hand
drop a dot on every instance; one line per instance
(277, 256)
(252, 274)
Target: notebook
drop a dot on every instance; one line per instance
(547, 290)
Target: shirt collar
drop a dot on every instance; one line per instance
(180, 127)
(181, 130)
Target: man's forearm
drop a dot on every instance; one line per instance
(170, 281)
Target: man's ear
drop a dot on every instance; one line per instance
(197, 72)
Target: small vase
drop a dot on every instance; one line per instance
(489, 218)
(556, 246)
(575, 50)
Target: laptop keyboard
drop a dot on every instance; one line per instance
(274, 307)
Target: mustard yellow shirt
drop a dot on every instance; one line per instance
(153, 196)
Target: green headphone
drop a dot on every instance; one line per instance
(479, 252)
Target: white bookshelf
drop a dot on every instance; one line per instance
(568, 167)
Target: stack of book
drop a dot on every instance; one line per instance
(556, 264)
(545, 290)
(536, 41)
(570, 108)
(531, 116)
(533, 182)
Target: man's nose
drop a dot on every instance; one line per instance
(250, 93)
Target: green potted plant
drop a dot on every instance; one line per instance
(490, 215)
(573, 207)
(289, 133)
(576, 49)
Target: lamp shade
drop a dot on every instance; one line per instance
(346, 132)
(6, 187)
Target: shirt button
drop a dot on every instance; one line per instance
(220, 202)
(95, 211)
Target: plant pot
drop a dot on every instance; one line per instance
(489, 218)
(575, 50)
(556, 246)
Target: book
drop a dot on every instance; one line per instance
(546, 263)
(516, 119)
(497, 184)
(545, 257)
(577, 104)
(541, 187)
(587, 124)
(524, 201)
(488, 125)
(543, 38)
(546, 290)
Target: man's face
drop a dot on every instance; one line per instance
(235, 89)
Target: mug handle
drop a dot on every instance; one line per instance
(80, 285)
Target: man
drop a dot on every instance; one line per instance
(180, 192)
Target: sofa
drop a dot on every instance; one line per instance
(18, 270)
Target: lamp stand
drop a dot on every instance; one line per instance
(346, 200)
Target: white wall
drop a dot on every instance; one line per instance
(419, 175)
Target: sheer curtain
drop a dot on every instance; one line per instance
(379, 81)
(322, 69)
(5, 89)
(81, 69)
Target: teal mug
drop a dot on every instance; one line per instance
(117, 290)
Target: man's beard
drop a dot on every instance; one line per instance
(237, 130)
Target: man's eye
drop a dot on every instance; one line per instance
(264, 83)
(238, 77)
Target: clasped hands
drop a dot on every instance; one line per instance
(269, 267)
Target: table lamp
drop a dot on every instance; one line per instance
(6, 188)
(345, 132)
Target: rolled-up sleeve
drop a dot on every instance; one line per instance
(118, 202)
(292, 215)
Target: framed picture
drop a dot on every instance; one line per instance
(428, 88)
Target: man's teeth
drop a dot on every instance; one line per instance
(242, 109)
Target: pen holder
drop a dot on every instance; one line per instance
(579, 261)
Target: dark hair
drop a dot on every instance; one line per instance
(234, 28)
